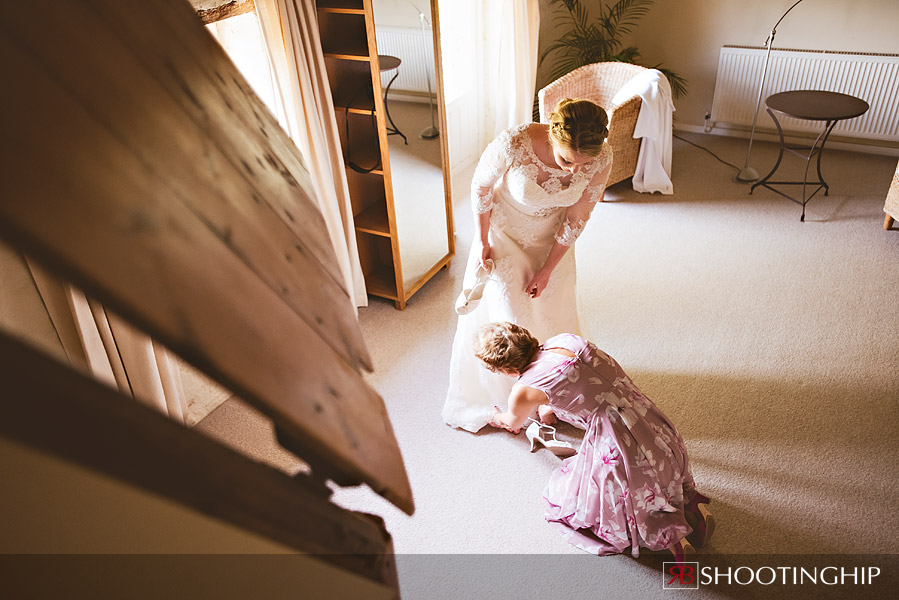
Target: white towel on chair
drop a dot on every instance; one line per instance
(654, 125)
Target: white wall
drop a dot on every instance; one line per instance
(50, 506)
(399, 13)
(686, 36)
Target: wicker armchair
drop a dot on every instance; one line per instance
(600, 82)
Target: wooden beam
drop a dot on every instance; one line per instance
(225, 10)
(50, 407)
(145, 171)
(189, 90)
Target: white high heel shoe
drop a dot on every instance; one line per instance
(468, 299)
(546, 437)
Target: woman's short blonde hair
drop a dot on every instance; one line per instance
(505, 346)
(580, 125)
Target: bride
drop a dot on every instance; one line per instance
(532, 193)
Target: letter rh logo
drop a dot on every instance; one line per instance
(680, 576)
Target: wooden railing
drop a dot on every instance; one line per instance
(139, 165)
(50, 406)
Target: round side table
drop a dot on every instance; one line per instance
(810, 105)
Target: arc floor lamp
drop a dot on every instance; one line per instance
(748, 174)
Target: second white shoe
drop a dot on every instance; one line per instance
(537, 433)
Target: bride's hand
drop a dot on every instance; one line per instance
(537, 284)
(485, 254)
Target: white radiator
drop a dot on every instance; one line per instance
(872, 77)
(415, 50)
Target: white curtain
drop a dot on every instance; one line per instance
(508, 56)
(109, 348)
(290, 30)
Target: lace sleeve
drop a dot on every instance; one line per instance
(569, 232)
(494, 162)
(602, 169)
(576, 215)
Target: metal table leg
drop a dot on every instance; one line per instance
(816, 149)
(392, 129)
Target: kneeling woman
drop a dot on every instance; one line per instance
(630, 483)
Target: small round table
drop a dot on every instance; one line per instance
(389, 63)
(810, 105)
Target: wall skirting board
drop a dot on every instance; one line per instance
(869, 147)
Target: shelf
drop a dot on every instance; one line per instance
(342, 11)
(350, 7)
(343, 35)
(366, 190)
(373, 220)
(362, 103)
(380, 282)
(356, 110)
(379, 171)
(351, 85)
(376, 258)
(355, 54)
(363, 147)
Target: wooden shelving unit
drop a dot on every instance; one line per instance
(347, 32)
(373, 220)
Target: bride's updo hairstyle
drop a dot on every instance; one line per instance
(505, 346)
(580, 125)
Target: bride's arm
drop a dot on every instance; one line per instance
(576, 217)
(494, 162)
(481, 229)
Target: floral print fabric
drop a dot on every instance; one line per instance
(629, 482)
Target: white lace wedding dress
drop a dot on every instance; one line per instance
(532, 206)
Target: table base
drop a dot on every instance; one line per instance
(392, 129)
(816, 149)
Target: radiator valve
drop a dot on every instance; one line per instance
(708, 122)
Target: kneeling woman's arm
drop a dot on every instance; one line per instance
(523, 400)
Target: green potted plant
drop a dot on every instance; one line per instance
(590, 40)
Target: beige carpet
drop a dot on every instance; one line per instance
(772, 344)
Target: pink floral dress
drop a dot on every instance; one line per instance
(629, 482)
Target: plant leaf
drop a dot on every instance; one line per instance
(591, 40)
